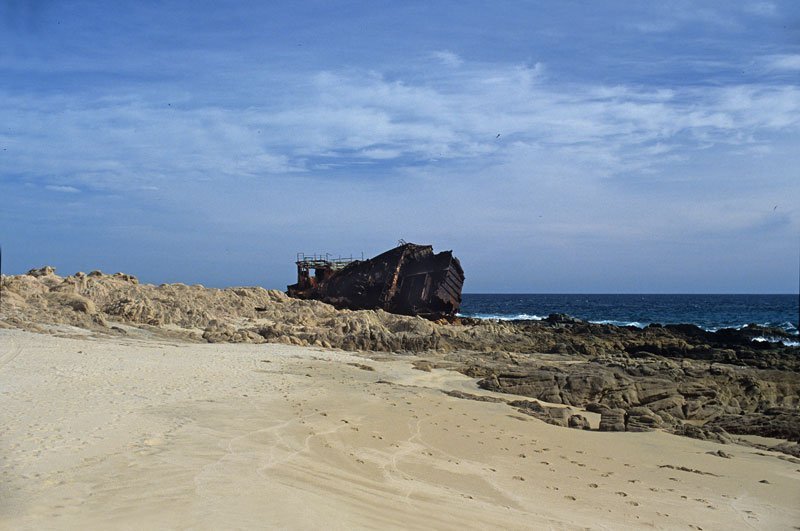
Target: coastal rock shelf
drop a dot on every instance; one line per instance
(679, 377)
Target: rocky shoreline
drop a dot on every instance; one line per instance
(680, 378)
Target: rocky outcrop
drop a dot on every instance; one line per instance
(612, 419)
(579, 422)
(660, 377)
(781, 423)
(688, 390)
(642, 419)
(557, 416)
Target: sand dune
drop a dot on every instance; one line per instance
(134, 433)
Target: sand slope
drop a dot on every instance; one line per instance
(136, 433)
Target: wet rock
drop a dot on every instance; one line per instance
(562, 318)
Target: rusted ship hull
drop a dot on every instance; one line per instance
(409, 279)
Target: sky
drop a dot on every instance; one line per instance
(555, 147)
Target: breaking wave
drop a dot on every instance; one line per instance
(769, 339)
(709, 312)
(504, 317)
(637, 324)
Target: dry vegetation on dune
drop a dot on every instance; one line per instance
(98, 302)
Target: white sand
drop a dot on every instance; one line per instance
(141, 434)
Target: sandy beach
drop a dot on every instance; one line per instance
(399, 265)
(140, 432)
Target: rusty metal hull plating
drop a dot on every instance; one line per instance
(409, 279)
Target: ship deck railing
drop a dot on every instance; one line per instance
(323, 261)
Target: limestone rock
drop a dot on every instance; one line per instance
(774, 422)
(557, 416)
(612, 420)
(42, 271)
(578, 422)
(642, 419)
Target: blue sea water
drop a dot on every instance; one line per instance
(710, 312)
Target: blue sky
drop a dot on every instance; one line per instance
(643, 146)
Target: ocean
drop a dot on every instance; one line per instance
(710, 312)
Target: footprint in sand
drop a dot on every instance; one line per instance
(620, 493)
(593, 485)
(573, 498)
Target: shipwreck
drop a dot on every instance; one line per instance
(409, 279)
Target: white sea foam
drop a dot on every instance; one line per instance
(637, 324)
(517, 317)
(769, 339)
(787, 326)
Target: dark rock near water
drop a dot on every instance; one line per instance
(562, 318)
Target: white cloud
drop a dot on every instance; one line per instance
(764, 9)
(448, 58)
(783, 62)
(62, 189)
(655, 26)
(128, 143)
(575, 165)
